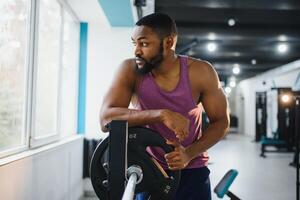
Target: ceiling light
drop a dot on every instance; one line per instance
(211, 47)
(282, 38)
(282, 48)
(285, 98)
(236, 54)
(231, 22)
(236, 69)
(253, 61)
(232, 84)
(227, 90)
(211, 36)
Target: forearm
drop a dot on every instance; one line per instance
(134, 117)
(214, 132)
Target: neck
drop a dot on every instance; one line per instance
(168, 66)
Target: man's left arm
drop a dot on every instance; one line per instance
(215, 105)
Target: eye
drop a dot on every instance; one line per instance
(133, 43)
(144, 44)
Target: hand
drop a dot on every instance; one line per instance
(177, 159)
(177, 123)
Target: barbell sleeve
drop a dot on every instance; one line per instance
(130, 187)
(134, 177)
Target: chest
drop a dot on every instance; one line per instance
(171, 84)
(161, 92)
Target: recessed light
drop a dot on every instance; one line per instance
(282, 38)
(236, 69)
(236, 54)
(231, 22)
(211, 46)
(232, 84)
(227, 90)
(253, 61)
(211, 36)
(282, 48)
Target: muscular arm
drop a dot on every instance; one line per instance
(215, 106)
(116, 101)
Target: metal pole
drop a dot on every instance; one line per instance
(297, 146)
(129, 190)
(135, 174)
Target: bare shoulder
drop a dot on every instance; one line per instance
(200, 66)
(202, 73)
(127, 66)
(126, 72)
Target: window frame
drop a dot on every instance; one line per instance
(67, 8)
(26, 111)
(30, 73)
(51, 137)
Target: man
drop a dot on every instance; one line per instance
(167, 92)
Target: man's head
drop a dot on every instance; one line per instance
(162, 24)
(153, 35)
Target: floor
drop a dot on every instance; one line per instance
(269, 178)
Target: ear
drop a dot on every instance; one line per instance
(169, 42)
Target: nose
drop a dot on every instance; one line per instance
(137, 51)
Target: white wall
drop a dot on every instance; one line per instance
(54, 174)
(284, 76)
(107, 48)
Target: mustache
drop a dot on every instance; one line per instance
(140, 58)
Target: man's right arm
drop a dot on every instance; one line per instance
(116, 101)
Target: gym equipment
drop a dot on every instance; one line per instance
(127, 146)
(295, 161)
(222, 187)
(283, 138)
(261, 116)
(286, 116)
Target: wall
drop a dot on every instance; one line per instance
(284, 76)
(54, 174)
(107, 48)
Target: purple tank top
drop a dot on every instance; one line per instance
(180, 100)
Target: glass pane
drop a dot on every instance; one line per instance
(13, 44)
(49, 35)
(69, 76)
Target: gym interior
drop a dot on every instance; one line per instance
(58, 58)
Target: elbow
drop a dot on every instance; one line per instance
(104, 129)
(103, 121)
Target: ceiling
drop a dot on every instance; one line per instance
(260, 26)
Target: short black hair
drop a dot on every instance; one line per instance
(160, 23)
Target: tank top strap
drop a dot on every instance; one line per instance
(184, 70)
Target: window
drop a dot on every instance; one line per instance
(38, 97)
(47, 69)
(14, 52)
(70, 69)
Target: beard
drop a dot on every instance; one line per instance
(151, 64)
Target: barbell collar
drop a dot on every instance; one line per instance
(135, 169)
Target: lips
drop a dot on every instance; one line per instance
(139, 61)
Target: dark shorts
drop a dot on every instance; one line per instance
(194, 185)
